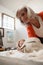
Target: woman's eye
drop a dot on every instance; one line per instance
(22, 14)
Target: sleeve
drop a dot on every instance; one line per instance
(41, 14)
(31, 32)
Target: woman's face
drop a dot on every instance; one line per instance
(23, 16)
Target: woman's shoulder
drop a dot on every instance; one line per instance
(40, 14)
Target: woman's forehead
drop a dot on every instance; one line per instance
(21, 11)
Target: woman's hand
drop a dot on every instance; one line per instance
(34, 22)
(21, 48)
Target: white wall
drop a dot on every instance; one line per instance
(5, 39)
(5, 10)
(21, 32)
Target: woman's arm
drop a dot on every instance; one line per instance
(35, 22)
(30, 31)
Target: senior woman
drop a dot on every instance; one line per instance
(33, 22)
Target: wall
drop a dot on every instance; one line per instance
(5, 10)
(21, 30)
(5, 43)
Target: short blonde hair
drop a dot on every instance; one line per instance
(30, 13)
